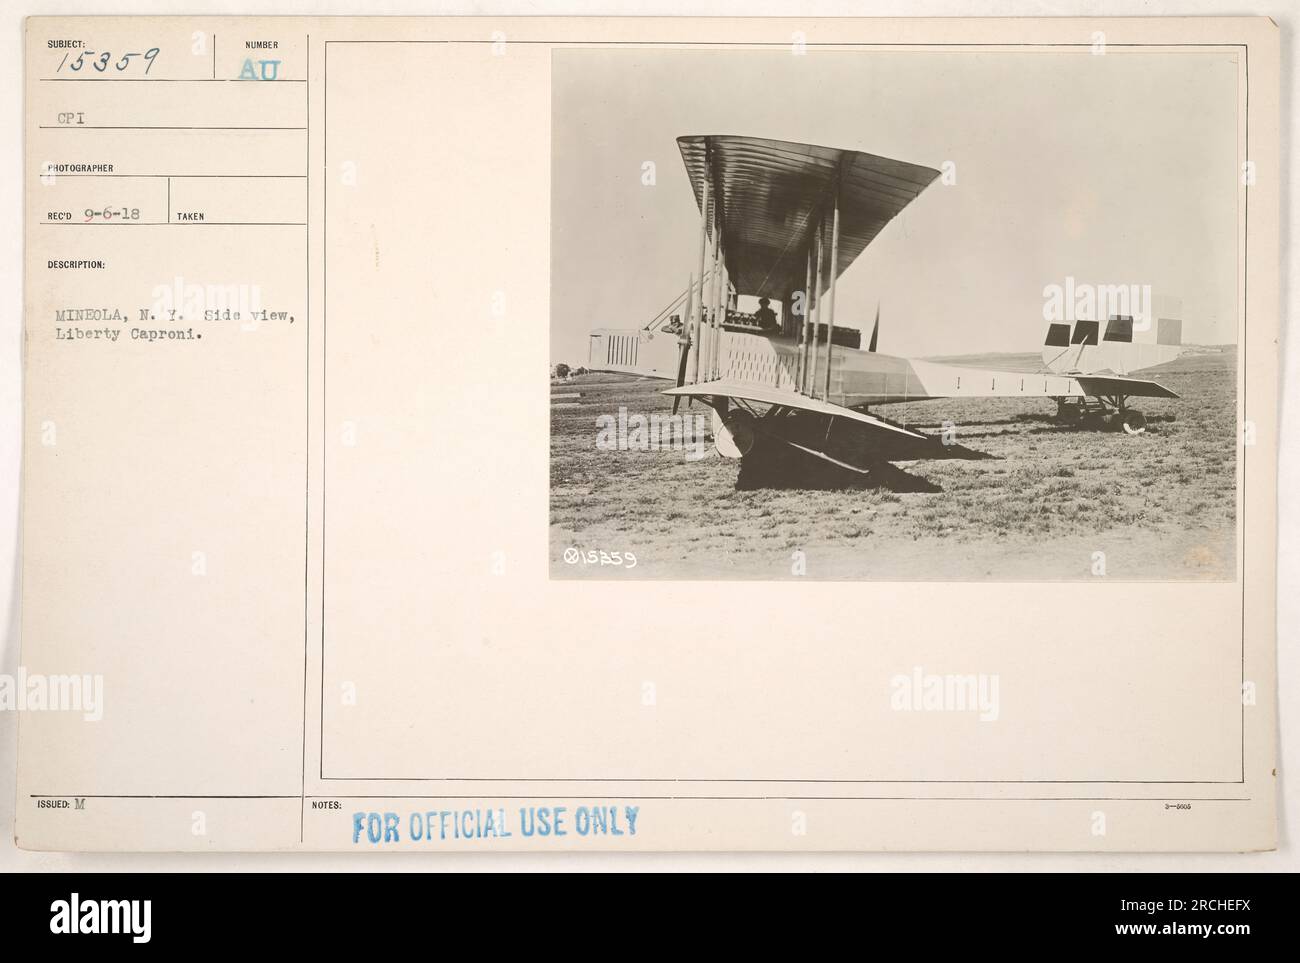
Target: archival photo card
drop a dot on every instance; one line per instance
(903, 476)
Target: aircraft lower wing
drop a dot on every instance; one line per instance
(1096, 385)
(763, 394)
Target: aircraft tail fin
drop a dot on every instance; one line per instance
(1121, 344)
(1057, 346)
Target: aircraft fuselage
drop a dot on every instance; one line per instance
(870, 378)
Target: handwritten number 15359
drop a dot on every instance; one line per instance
(100, 61)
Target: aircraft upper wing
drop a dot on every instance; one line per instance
(771, 192)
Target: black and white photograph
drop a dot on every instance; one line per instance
(896, 314)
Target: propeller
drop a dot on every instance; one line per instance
(684, 336)
(683, 354)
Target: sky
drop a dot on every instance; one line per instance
(1121, 168)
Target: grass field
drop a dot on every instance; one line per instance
(1161, 505)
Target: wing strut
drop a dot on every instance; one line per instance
(835, 259)
(807, 324)
(699, 301)
(817, 318)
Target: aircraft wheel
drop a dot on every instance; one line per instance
(734, 436)
(1069, 414)
(1133, 422)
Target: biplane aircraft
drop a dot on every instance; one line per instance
(781, 222)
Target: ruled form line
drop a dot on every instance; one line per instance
(149, 127)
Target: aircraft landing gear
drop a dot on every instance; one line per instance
(1081, 412)
(1109, 412)
(734, 433)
